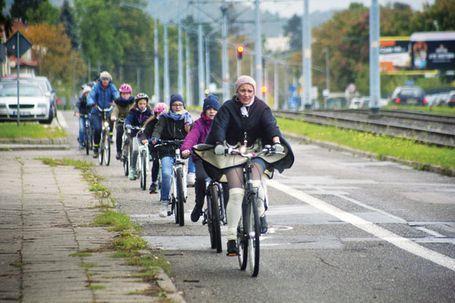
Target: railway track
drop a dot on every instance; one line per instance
(426, 128)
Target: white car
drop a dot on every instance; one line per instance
(34, 103)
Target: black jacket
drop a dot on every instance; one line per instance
(229, 125)
(168, 129)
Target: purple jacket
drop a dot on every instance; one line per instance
(198, 133)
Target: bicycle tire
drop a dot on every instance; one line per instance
(101, 150)
(253, 239)
(180, 213)
(215, 220)
(208, 198)
(242, 237)
(143, 169)
(107, 150)
(86, 141)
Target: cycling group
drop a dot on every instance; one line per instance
(238, 142)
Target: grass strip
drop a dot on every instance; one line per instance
(127, 244)
(380, 145)
(10, 130)
(440, 110)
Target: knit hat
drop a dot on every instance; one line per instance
(211, 101)
(244, 79)
(176, 98)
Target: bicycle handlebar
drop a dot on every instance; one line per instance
(110, 108)
(268, 150)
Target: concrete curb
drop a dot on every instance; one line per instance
(332, 146)
(166, 284)
(12, 147)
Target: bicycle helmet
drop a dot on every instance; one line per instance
(159, 108)
(141, 96)
(125, 88)
(106, 75)
(86, 89)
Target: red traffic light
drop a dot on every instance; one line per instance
(239, 52)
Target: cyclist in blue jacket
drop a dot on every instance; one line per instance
(102, 96)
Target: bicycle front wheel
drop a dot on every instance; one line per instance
(101, 150)
(107, 150)
(143, 169)
(242, 236)
(180, 197)
(87, 141)
(215, 218)
(254, 233)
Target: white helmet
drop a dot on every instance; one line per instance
(105, 74)
(86, 89)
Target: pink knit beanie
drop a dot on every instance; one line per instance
(244, 79)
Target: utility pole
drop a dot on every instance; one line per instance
(258, 50)
(306, 55)
(180, 60)
(224, 54)
(166, 89)
(156, 66)
(207, 62)
(327, 70)
(275, 86)
(189, 99)
(138, 78)
(200, 59)
(375, 80)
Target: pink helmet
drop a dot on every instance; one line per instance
(125, 88)
(159, 108)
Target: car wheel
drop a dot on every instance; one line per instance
(51, 116)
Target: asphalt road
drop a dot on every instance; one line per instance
(342, 229)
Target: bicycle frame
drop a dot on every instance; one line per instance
(105, 146)
(142, 170)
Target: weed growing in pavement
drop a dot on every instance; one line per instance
(81, 254)
(127, 244)
(380, 145)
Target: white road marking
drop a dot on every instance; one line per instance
(61, 120)
(367, 226)
(430, 232)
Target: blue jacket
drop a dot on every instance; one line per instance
(102, 97)
(136, 118)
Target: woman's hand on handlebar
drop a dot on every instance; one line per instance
(145, 141)
(186, 153)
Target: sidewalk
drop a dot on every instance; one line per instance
(45, 223)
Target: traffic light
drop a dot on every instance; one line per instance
(239, 52)
(264, 89)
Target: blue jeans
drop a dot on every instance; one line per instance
(191, 166)
(166, 177)
(81, 130)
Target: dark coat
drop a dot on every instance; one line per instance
(168, 129)
(82, 106)
(229, 125)
(137, 118)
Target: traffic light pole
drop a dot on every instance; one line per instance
(306, 55)
(375, 80)
(180, 60)
(224, 54)
(156, 66)
(258, 50)
(189, 98)
(166, 66)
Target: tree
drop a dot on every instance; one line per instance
(44, 13)
(293, 29)
(5, 21)
(20, 7)
(440, 16)
(67, 18)
(395, 20)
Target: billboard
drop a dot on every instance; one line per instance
(433, 50)
(394, 54)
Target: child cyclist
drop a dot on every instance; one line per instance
(82, 112)
(172, 125)
(121, 109)
(137, 116)
(146, 137)
(198, 135)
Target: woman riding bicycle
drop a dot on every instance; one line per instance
(197, 135)
(246, 120)
(82, 113)
(101, 97)
(135, 119)
(146, 138)
(172, 125)
(121, 109)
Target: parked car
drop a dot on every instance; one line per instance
(451, 101)
(34, 103)
(46, 87)
(409, 95)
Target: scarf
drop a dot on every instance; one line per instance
(181, 115)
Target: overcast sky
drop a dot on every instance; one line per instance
(287, 8)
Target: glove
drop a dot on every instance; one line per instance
(278, 148)
(219, 149)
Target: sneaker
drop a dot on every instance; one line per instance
(232, 250)
(264, 225)
(153, 188)
(132, 174)
(163, 211)
(118, 156)
(95, 154)
(196, 213)
(190, 179)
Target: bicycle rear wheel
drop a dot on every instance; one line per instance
(180, 197)
(101, 150)
(254, 233)
(214, 218)
(143, 175)
(107, 150)
(87, 141)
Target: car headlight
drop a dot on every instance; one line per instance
(42, 105)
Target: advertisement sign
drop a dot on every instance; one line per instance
(394, 53)
(433, 50)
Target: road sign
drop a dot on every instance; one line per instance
(11, 44)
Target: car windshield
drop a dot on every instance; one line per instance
(25, 90)
(414, 92)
